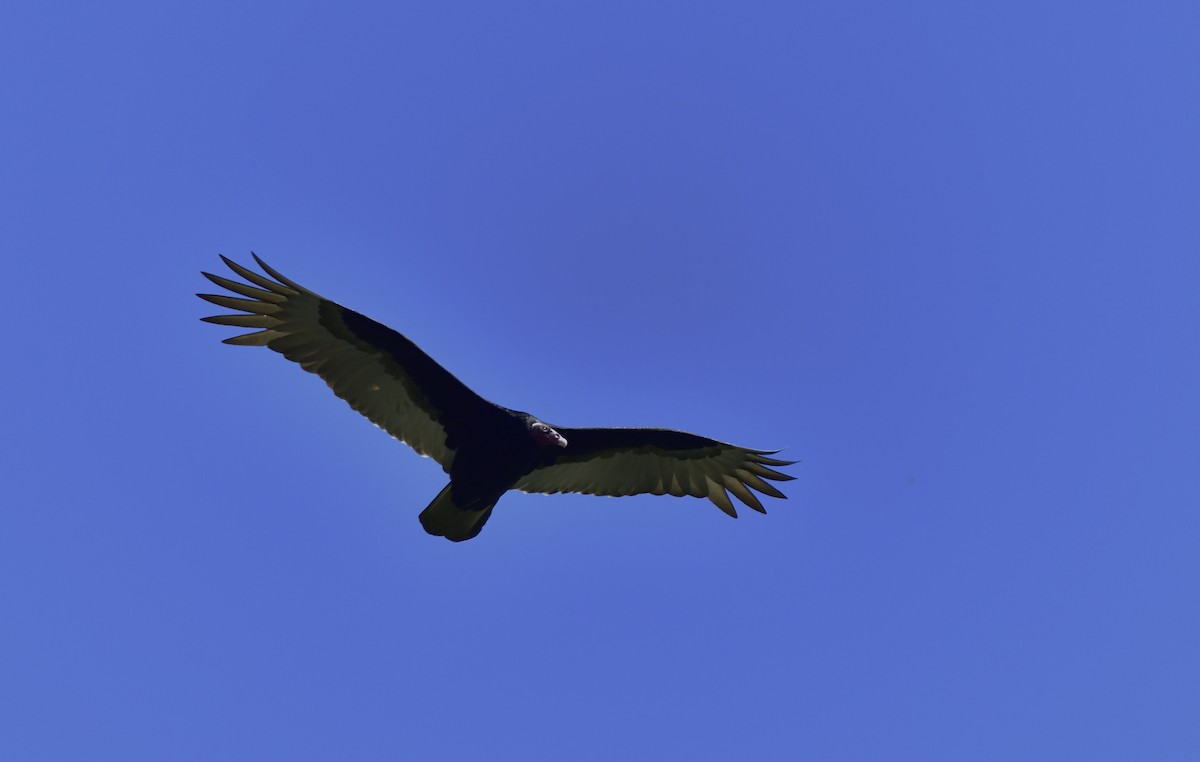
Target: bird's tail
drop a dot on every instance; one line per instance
(444, 518)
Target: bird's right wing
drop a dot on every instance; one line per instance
(620, 462)
(379, 372)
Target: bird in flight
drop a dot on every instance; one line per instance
(486, 449)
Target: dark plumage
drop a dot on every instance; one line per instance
(486, 449)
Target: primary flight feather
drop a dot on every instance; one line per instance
(485, 448)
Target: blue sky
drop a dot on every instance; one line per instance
(943, 253)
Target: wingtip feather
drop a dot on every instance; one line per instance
(276, 274)
(255, 339)
(258, 280)
(243, 321)
(741, 492)
(238, 287)
(254, 306)
(720, 498)
(761, 457)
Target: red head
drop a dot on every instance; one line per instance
(544, 435)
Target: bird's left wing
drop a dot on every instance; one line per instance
(378, 371)
(620, 462)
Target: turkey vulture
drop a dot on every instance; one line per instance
(486, 449)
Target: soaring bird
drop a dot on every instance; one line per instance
(486, 449)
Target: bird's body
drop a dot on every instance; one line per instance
(486, 449)
(484, 469)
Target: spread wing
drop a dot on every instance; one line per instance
(620, 462)
(378, 371)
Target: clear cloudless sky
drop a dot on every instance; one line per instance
(946, 254)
